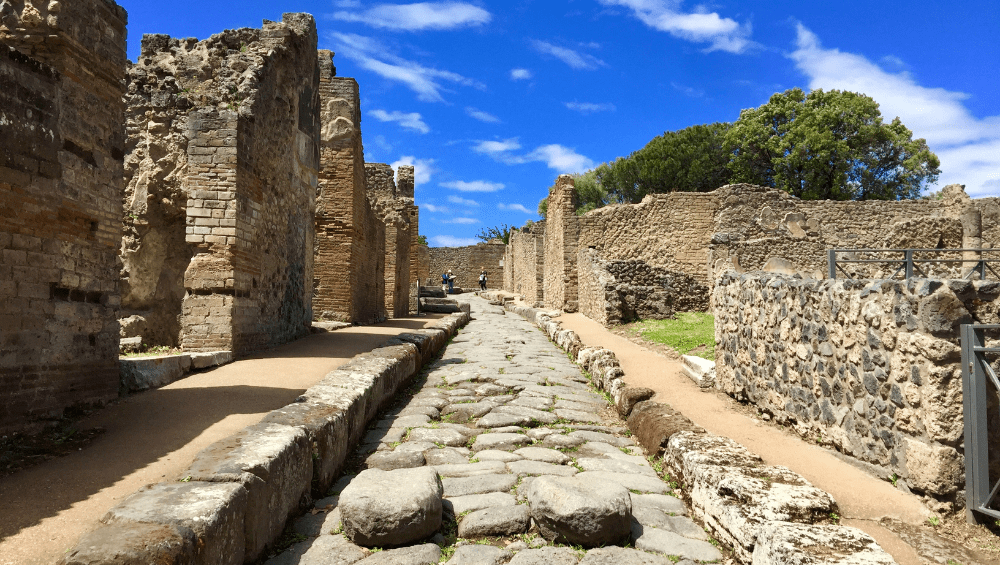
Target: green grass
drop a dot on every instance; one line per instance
(688, 332)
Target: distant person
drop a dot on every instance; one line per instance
(482, 278)
(450, 281)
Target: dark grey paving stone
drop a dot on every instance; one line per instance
(503, 442)
(641, 483)
(323, 550)
(472, 502)
(546, 556)
(436, 436)
(538, 468)
(670, 543)
(602, 437)
(497, 455)
(578, 415)
(680, 525)
(614, 466)
(544, 454)
(389, 460)
(480, 484)
(425, 554)
(622, 556)
(471, 469)
(495, 521)
(665, 503)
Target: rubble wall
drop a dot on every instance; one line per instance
(524, 264)
(347, 286)
(224, 142)
(870, 368)
(562, 235)
(62, 143)
(466, 263)
(393, 208)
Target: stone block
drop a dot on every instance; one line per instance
(783, 543)
(391, 508)
(701, 371)
(144, 373)
(210, 359)
(935, 469)
(580, 510)
(134, 544)
(328, 428)
(653, 424)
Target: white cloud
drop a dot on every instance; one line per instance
(473, 186)
(590, 107)
(375, 57)
(464, 221)
(562, 159)
(481, 115)
(520, 74)
(700, 26)
(575, 59)
(433, 208)
(422, 168)
(415, 17)
(411, 120)
(969, 147)
(514, 208)
(463, 201)
(452, 241)
(497, 147)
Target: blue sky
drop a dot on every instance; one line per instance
(491, 100)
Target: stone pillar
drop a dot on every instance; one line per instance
(972, 238)
(562, 233)
(62, 143)
(392, 207)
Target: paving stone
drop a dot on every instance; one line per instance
(622, 556)
(540, 433)
(447, 456)
(312, 525)
(419, 446)
(473, 502)
(614, 466)
(543, 454)
(388, 508)
(498, 420)
(497, 455)
(584, 397)
(536, 402)
(495, 521)
(585, 511)
(669, 543)
(460, 377)
(389, 460)
(471, 469)
(490, 389)
(606, 451)
(476, 554)
(581, 406)
(499, 400)
(443, 436)
(511, 383)
(618, 431)
(509, 430)
(424, 554)
(641, 483)
(504, 442)
(546, 556)
(323, 550)
(403, 421)
(479, 484)
(538, 468)
(578, 415)
(468, 411)
(465, 398)
(381, 435)
(662, 502)
(680, 525)
(602, 437)
(429, 411)
(438, 402)
(532, 413)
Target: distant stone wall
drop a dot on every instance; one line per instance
(466, 262)
(618, 292)
(871, 368)
(562, 235)
(229, 158)
(524, 264)
(350, 245)
(393, 207)
(62, 141)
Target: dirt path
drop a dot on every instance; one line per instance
(863, 499)
(154, 436)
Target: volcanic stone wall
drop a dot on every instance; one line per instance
(224, 148)
(61, 148)
(466, 263)
(868, 367)
(524, 264)
(393, 206)
(350, 240)
(562, 234)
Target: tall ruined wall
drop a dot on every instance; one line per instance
(869, 367)
(524, 264)
(347, 283)
(61, 148)
(393, 208)
(562, 234)
(466, 263)
(224, 148)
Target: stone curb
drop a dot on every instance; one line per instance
(238, 494)
(766, 514)
(143, 373)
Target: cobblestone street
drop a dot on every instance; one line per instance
(516, 438)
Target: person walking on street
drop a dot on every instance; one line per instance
(482, 278)
(451, 282)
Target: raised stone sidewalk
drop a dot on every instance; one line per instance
(533, 464)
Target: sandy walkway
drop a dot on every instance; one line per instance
(863, 499)
(155, 435)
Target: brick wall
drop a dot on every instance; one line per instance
(347, 281)
(562, 233)
(61, 149)
(524, 264)
(393, 207)
(229, 158)
(466, 263)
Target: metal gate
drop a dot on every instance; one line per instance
(979, 382)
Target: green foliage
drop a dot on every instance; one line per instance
(829, 145)
(543, 207)
(501, 232)
(422, 239)
(687, 332)
(590, 193)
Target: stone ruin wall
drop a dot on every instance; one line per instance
(350, 238)
(868, 367)
(466, 262)
(524, 266)
(407, 184)
(224, 149)
(562, 235)
(392, 206)
(61, 149)
(618, 292)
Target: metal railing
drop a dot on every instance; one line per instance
(978, 377)
(909, 264)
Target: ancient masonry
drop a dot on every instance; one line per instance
(62, 145)
(466, 263)
(524, 264)
(393, 206)
(350, 238)
(221, 172)
(560, 247)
